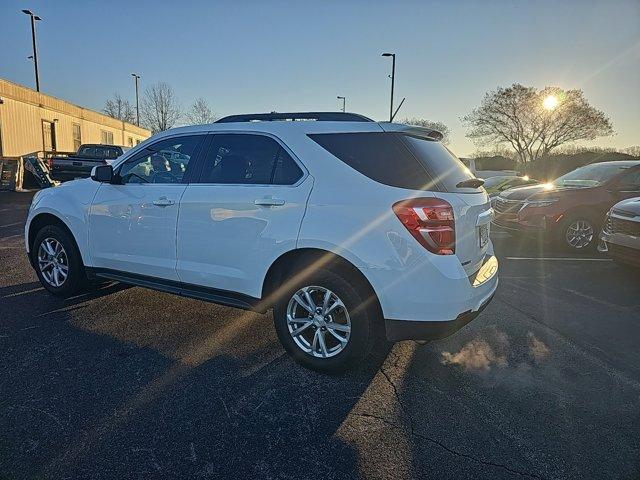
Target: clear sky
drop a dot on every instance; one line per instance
(296, 55)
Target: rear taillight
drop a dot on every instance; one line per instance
(430, 221)
(50, 163)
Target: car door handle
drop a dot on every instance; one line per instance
(269, 202)
(163, 202)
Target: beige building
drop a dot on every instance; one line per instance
(33, 122)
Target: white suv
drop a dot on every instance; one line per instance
(345, 226)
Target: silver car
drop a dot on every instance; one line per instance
(620, 237)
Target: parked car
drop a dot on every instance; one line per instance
(572, 208)
(345, 226)
(620, 237)
(80, 164)
(495, 185)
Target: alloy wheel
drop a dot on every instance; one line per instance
(318, 322)
(53, 262)
(579, 234)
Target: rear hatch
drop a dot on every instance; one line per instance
(412, 159)
(453, 182)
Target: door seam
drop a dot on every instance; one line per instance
(306, 206)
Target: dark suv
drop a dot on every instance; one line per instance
(571, 209)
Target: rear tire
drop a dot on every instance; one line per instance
(57, 262)
(345, 322)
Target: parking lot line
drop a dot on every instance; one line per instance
(563, 259)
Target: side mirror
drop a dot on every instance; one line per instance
(102, 173)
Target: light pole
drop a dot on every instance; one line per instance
(137, 77)
(34, 18)
(344, 102)
(393, 79)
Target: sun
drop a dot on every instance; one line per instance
(550, 102)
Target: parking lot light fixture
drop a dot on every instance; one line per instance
(393, 78)
(34, 18)
(137, 77)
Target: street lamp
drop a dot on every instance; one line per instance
(393, 78)
(344, 102)
(137, 77)
(34, 18)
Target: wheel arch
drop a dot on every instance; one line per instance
(42, 220)
(580, 211)
(306, 260)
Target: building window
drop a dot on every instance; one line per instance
(130, 141)
(77, 137)
(106, 138)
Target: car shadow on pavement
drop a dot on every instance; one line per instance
(127, 382)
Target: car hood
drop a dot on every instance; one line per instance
(630, 206)
(539, 191)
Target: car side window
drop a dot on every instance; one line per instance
(166, 161)
(286, 170)
(630, 181)
(248, 159)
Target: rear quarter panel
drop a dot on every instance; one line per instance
(351, 215)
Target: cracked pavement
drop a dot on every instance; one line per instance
(130, 383)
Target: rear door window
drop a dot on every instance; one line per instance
(248, 159)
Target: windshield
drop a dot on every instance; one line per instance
(493, 181)
(592, 175)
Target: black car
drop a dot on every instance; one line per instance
(80, 164)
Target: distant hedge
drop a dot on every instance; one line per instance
(497, 162)
(551, 167)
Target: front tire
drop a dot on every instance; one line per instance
(325, 322)
(578, 234)
(57, 262)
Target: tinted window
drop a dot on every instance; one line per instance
(590, 175)
(380, 156)
(444, 167)
(630, 181)
(166, 161)
(493, 181)
(110, 153)
(248, 159)
(286, 170)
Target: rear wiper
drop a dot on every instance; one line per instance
(470, 183)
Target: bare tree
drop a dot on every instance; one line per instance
(534, 122)
(433, 125)
(118, 107)
(633, 151)
(200, 113)
(160, 108)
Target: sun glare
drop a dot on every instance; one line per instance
(550, 102)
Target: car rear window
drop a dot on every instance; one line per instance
(443, 166)
(398, 160)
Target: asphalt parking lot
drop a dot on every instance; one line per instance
(130, 383)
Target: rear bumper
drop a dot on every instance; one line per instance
(439, 308)
(398, 330)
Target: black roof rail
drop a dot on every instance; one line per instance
(296, 116)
